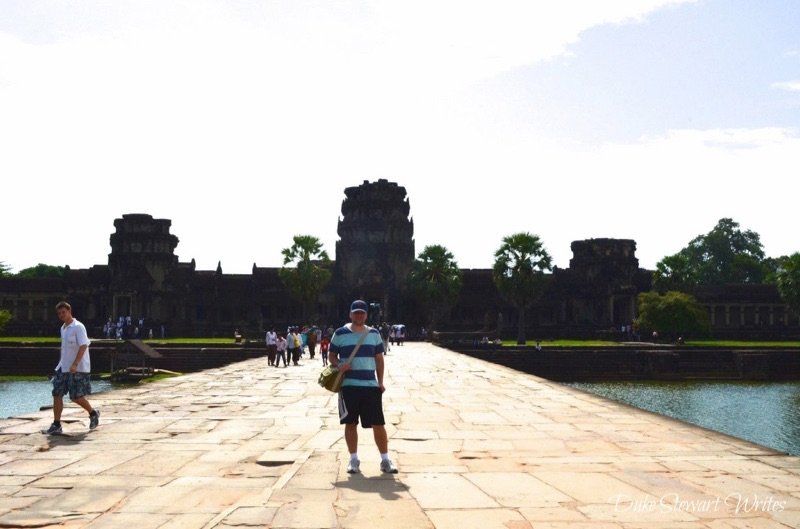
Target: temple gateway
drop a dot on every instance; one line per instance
(143, 278)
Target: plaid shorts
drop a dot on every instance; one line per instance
(77, 385)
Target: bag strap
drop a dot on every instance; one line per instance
(358, 344)
(363, 337)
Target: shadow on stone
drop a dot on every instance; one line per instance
(66, 438)
(387, 486)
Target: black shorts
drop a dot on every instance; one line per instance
(363, 402)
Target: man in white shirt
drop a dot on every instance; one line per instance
(281, 351)
(72, 371)
(271, 339)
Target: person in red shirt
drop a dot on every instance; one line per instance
(324, 345)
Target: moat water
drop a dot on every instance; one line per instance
(766, 413)
(21, 397)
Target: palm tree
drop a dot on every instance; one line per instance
(788, 279)
(5, 317)
(311, 270)
(436, 279)
(519, 266)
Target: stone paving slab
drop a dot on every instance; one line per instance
(478, 445)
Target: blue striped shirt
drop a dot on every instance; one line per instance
(363, 364)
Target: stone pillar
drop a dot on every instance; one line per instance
(757, 318)
(771, 315)
(727, 315)
(611, 309)
(712, 311)
(631, 310)
(30, 310)
(741, 315)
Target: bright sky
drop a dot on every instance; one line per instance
(243, 121)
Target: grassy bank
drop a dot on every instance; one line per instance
(190, 341)
(160, 376)
(32, 340)
(564, 343)
(40, 378)
(742, 343)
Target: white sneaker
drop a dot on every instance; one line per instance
(387, 467)
(354, 466)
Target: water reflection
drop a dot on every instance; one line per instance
(765, 413)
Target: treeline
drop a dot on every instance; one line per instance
(40, 270)
(725, 255)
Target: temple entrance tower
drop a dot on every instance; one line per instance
(141, 260)
(603, 281)
(376, 247)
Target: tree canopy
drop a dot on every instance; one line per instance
(5, 270)
(310, 270)
(436, 279)
(672, 314)
(788, 280)
(42, 270)
(518, 273)
(726, 254)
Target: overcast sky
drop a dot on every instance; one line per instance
(243, 122)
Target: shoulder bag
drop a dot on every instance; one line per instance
(331, 377)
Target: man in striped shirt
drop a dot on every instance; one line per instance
(362, 386)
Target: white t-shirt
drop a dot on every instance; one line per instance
(271, 338)
(73, 336)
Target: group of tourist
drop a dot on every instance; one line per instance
(126, 327)
(292, 345)
(356, 349)
(392, 334)
(630, 332)
(299, 341)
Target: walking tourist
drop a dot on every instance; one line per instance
(271, 340)
(280, 351)
(311, 340)
(72, 371)
(291, 346)
(298, 347)
(323, 350)
(384, 330)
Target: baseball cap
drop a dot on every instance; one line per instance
(358, 306)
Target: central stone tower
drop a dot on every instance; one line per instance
(602, 282)
(376, 247)
(141, 260)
